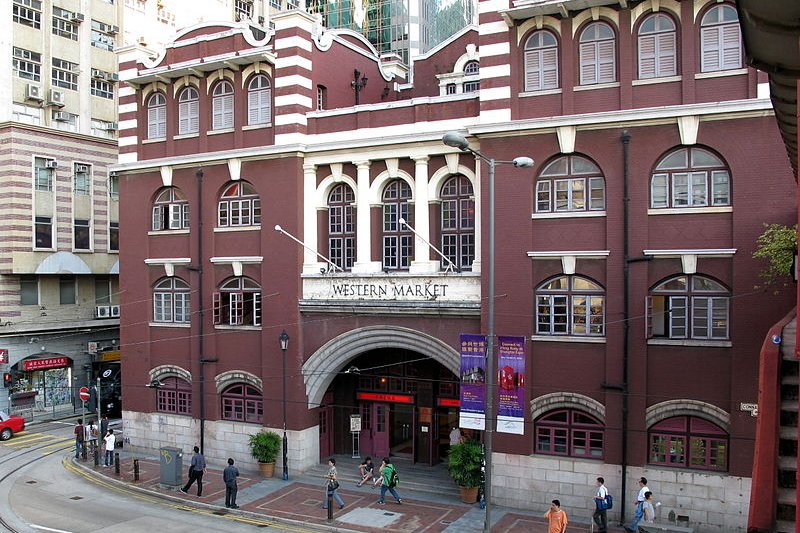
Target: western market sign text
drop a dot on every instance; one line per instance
(393, 287)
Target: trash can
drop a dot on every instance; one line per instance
(171, 466)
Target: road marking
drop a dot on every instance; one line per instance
(34, 526)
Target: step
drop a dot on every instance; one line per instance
(789, 418)
(784, 526)
(788, 433)
(787, 497)
(787, 479)
(789, 391)
(785, 511)
(790, 379)
(789, 406)
(787, 447)
(787, 463)
(790, 367)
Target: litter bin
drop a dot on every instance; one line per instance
(171, 466)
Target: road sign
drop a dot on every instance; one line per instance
(83, 393)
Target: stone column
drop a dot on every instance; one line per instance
(311, 263)
(421, 222)
(363, 226)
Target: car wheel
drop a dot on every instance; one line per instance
(5, 434)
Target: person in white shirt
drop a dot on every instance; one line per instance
(649, 510)
(91, 437)
(639, 514)
(600, 515)
(110, 441)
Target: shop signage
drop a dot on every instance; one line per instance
(355, 423)
(115, 355)
(389, 291)
(3, 356)
(388, 398)
(44, 364)
(473, 382)
(463, 287)
(511, 386)
(448, 402)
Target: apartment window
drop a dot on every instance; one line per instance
(65, 74)
(275, 4)
(690, 177)
(43, 229)
(188, 111)
(26, 113)
(67, 291)
(689, 307)
(102, 35)
(571, 433)
(28, 12)
(398, 240)
(171, 301)
(688, 442)
(322, 97)
(82, 234)
(239, 206)
(597, 50)
(103, 128)
(471, 69)
(451, 88)
(341, 226)
(243, 9)
(63, 120)
(242, 403)
(102, 88)
(720, 39)
(541, 61)
(27, 64)
(29, 290)
(113, 236)
(102, 291)
(63, 25)
(570, 184)
(157, 116)
(570, 305)
(82, 179)
(259, 100)
(458, 222)
(238, 303)
(222, 106)
(174, 396)
(170, 210)
(113, 186)
(43, 172)
(657, 47)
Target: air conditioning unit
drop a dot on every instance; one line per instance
(51, 163)
(98, 74)
(76, 17)
(61, 116)
(82, 169)
(33, 92)
(113, 76)
(56, 98)
(113, 30)
(112, 126)
(114, 311)
(102, 311)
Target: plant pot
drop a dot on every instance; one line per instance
(266, 469)
(469, 494)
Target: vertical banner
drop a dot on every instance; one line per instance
(473, 381)
(511, 385)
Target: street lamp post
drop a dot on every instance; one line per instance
(284, 341)
(456, 140)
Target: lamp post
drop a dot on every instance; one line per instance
(284, 341)
(456, 140)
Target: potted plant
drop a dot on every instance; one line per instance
(264, 446)
(464, 466)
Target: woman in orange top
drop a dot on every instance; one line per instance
(556, 518)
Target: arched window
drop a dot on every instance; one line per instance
(156, 116)
(398, 240)
(341, 226)
(690, 177)
(541, 61)
(569, 432)
(458, 222)
(238, 303)
(689, 306)
(171, 298)
(170, 210)
(570, 183)
(720, 39)
(259, 101)
(598, 56)
(242, 403)
(688, 442)
(657, 47)
(222, 106)
(471, 70)
(239, 206)
(174, 396)
(570, 305)
(188, 111)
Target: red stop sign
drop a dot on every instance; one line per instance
(83, 393)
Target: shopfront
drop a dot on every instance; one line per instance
(43, 381)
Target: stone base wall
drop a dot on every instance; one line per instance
(707, 502)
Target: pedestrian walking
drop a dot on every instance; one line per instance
(92, 434)
(649, 510)
(367, 470)
(103, 425)
(80, 435)
(229, 476)
(556, 518)
(455, 436)
(639, 513)
(110, 441)
(196, 470)
(388, 480)
(331, 486)
(600, 515)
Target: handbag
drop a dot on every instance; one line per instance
(333, 484)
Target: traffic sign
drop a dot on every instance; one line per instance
(83, 393)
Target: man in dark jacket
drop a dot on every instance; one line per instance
(229, 476)
(196, 471)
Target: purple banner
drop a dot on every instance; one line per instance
(473, 381)
(511, 385)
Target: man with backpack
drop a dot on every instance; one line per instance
(389, 480)
(602, 503)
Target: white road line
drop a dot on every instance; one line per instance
(34, 526)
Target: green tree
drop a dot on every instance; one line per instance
(778, 245)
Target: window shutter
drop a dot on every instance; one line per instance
(217, 302)
(153, 123)
(647, 56)
(257, 309)
(533, 74)
(648, 317)
(252, 108)
(678, 316)
(185, 210)
(158, 218)
(183, 118)
(266, 102)
(607, 71)
(710, 44)
(217, 113)
(194, 116)
(175, 216)
(667, 66)
(237, 309)
(227, 105)
(549, 74)
(543, 196)
(588, 54)
(731, 56)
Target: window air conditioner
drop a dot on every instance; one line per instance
(51, 163)
(114, 311)
(56, 98)
(113, 30)
(61, 116)
(112, 126)
(33, 92)
(77, 17)
(102, 311)
(82, 169)
(98, 74)
(113, 76)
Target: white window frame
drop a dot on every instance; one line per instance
(156, 116)
(597, 54)
(541, 62)
(222, 106)
(720, 42)
(657, 49)
(259, 100)
(188, 111)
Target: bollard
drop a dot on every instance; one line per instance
(136, 469)
(330, 506)
(116, 463)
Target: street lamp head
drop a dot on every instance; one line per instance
(284, 340)
(455, 140)
(522, 162)
(278, 227)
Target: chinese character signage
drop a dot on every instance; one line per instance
(3, 355)
(473, 382)
(511, 385)
(44, 364)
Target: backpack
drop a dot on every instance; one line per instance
(394, 479)
(94, 431)
(605, 505)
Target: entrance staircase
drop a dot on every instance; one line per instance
(785, 511)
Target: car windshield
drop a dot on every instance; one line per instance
(3, 416)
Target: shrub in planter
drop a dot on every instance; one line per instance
(464, 466)
(264, 447)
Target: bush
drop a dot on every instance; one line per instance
(264, 446)
(777, 244)
(464, 463)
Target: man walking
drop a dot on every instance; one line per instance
(556, 518)
(110, 441)
(600, 514)
(79, 437)
(637, 517)
(104, 425)
(388, 481)
(196, 471)
(229, 476)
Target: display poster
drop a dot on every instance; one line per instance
(473, 381)
(511, 385)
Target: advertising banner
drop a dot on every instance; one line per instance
(473, 381)
(511, 385)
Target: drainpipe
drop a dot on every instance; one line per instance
(626, 139)
(200, 315)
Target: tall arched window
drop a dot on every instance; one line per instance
(170, 210)
(156, 116)
(657, 47)
(689, 307)
(398, 240)
(171, 298)
(570, 305)
(569, 432)
(222, 106)
(458, 222)
(541, 61)
(570, 183)
(188, 111)
(174, 396)
(238, 303)
(239, 206)
(472, 82)
(259, 101)
(690, 177)
(598, 56)
(720, 39)
(341, 226)
(242, 403)
(688, 442)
